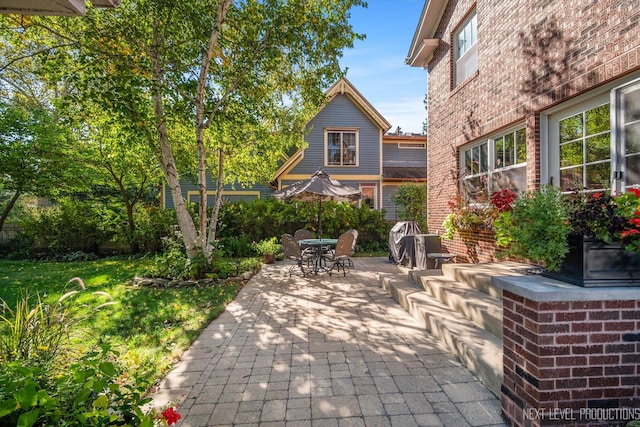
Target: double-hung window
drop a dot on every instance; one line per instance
(341, 147)
(493, 165)
(466, 49)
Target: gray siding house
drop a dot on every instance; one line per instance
(347, 139)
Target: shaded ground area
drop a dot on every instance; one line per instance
(323, 351)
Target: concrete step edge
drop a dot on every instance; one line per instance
(477, 349)
(478, 275)
(482, 309)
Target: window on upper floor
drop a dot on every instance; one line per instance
(465, 49)
(341, 147)
(493, 165)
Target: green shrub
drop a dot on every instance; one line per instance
(90, 393)
(243, 222)
(536, 228)
(152, 225)
(69, 226)
(411, 204)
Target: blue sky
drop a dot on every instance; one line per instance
(376, 64)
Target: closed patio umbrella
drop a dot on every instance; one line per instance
(319, 187)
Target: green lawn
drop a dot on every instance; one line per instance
(149, 327)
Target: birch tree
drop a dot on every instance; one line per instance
(242, 76)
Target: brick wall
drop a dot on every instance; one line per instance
(522, 70)
(566, 362)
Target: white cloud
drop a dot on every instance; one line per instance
(408, 113)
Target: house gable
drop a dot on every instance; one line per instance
(345, 109)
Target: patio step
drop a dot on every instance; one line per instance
(481, 309)
(460, 307)
(478, 350)
(478, 276)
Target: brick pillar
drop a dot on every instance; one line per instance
(571, 355)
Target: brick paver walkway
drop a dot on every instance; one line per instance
(322, 351)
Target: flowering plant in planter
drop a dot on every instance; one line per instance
(537, 225)
(465, 217)
(610, 218)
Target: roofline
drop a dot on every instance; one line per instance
(424, 44)
(395, 138)
(288, 165)
(345, 87)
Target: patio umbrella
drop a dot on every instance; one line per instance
(319, 187)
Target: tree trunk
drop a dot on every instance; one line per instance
(206, 236)
(192, 243)
(213, 226)
(9, 207)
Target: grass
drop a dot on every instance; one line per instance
(149, 327)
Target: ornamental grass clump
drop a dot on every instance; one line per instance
(38, 332)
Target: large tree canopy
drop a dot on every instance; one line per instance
(223, 86)
(32, 152)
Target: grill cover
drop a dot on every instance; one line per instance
(401, 245)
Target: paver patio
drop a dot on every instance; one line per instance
(322, 351)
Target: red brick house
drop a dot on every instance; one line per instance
(527, 93)
(522, 94)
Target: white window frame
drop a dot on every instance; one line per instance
(618, 137)
(486, 175)
(554, 134)
(465, 49)
(354, 131)
(613, 95)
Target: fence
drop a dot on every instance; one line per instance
(9, 232)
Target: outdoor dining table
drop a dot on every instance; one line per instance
(317, 244)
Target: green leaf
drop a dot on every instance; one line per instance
(107, 368)
(101, 403)
(7, 407)
(27, 396)
(99, 385)
(28, 419)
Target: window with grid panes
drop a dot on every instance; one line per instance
(341, 147)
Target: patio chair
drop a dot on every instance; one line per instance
(302, 234)
(353, 246)
(340, 258)
(292, 252)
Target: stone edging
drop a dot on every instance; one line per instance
(156, 282)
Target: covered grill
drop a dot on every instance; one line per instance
(408, 246)
(401, 242)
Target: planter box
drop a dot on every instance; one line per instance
(593, 263)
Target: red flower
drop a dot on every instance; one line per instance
(171, 416)
(503, 199)
(630, 232)
(635, 221)
(635, 191)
